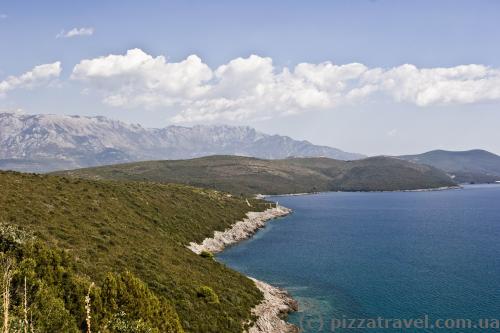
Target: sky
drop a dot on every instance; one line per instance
(367, 76)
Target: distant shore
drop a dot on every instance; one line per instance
(277, 302)
(444, 188)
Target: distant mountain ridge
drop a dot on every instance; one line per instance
(248, 175)
(53, 142)
(471, 166)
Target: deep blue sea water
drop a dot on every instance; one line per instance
(390, 255)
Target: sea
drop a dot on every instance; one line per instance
(383, 261)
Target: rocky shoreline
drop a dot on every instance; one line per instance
(239, 231)
(276, 305)
(277, 302)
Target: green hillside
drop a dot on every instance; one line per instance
(295, 175)
(472, 166)
(129, 239)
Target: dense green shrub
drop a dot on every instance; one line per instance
(128, 299)
(121, 323)
(139, 230)
(56, 293)
(208, 294)
(207, 254)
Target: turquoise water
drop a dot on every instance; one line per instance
(391, 255)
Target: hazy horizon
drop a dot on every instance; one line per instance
(21, 113)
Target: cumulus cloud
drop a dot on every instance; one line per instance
(138, 79)
(38, 75)
(253, 88)
(75, 32)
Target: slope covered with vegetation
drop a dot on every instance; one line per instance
(128, 238)
(472, 166)
(245, 175)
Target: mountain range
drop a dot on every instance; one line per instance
(44, 142)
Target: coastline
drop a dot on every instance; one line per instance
(239, 231)
(277, 302)
(444, 188)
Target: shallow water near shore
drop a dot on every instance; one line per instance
(392, 255)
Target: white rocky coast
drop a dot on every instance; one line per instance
(239, 231)
(277, 302)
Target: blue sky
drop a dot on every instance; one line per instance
(378, 34)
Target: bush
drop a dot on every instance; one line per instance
(132, 304)
(206, 254)
(208, 294)
(121, 323)
(56, 293)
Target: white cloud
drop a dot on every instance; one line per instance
(253, 88)
(76, 32)
(38, 75)
(138, 79)
(3, 16)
